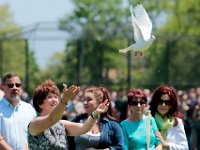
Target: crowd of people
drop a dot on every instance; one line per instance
(89, 118)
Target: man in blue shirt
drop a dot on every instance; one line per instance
(15, 115)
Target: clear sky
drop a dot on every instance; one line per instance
(30, 12)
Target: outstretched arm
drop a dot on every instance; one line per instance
(39, 124)
(76, 129)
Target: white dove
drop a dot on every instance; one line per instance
(142, 27)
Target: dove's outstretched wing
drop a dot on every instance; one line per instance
(138, 35)
(142, 28)
(143, 21)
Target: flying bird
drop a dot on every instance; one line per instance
(142, 28)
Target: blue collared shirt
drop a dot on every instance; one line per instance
(14, 122)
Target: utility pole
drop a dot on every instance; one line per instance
(129, 80)
(167, 61)
(1, 58)
(26, 66)
(80, 49)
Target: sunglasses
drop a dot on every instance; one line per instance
(166, 102)
(11, 85)
(135, 103)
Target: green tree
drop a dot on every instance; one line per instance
(13, 57)
(99, 29)
(96, 35)
(175, 60)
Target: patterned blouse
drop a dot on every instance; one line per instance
(54, 138)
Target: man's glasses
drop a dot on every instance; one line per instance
(135, 102)
(11, 85)
(166, 102)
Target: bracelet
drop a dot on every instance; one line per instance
(61, 105)
(63, 102)
(94, 116)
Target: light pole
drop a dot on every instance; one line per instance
(1, 58)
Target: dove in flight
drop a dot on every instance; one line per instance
(142, 28)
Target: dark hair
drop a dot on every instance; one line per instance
(165, 89)
(101, 94)
(8, 76)
(41, 92)
(136, 94)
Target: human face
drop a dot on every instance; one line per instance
(137, 106)
(89, 102)
(50, 102)
(164, 105)
(12, 89)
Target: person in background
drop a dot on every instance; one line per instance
(164, 107)
(75, 107)
(191, 102)
(1, 91)
(139, 129)
(48, 131)
(106, 133)
(25, 97)
(1, 94)
(15, 114)
(120, 105)
(147, 93)
(196, 125)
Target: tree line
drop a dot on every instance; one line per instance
(99, 29)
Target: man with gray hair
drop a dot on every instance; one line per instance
(15, 115)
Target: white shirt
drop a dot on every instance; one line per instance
(14, 123)
(176, 137)
(1, 94)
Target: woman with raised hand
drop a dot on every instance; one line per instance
(139, 129)
(164, 107)
(106, 133)
(47, 131)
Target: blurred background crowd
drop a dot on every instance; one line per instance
(189, 106)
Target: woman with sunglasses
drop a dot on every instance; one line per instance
(164, 107)
(139, 129)
(106, 133)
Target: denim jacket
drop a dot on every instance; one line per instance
(111, 134)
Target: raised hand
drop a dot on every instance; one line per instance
(103, 107)
(70, 92)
